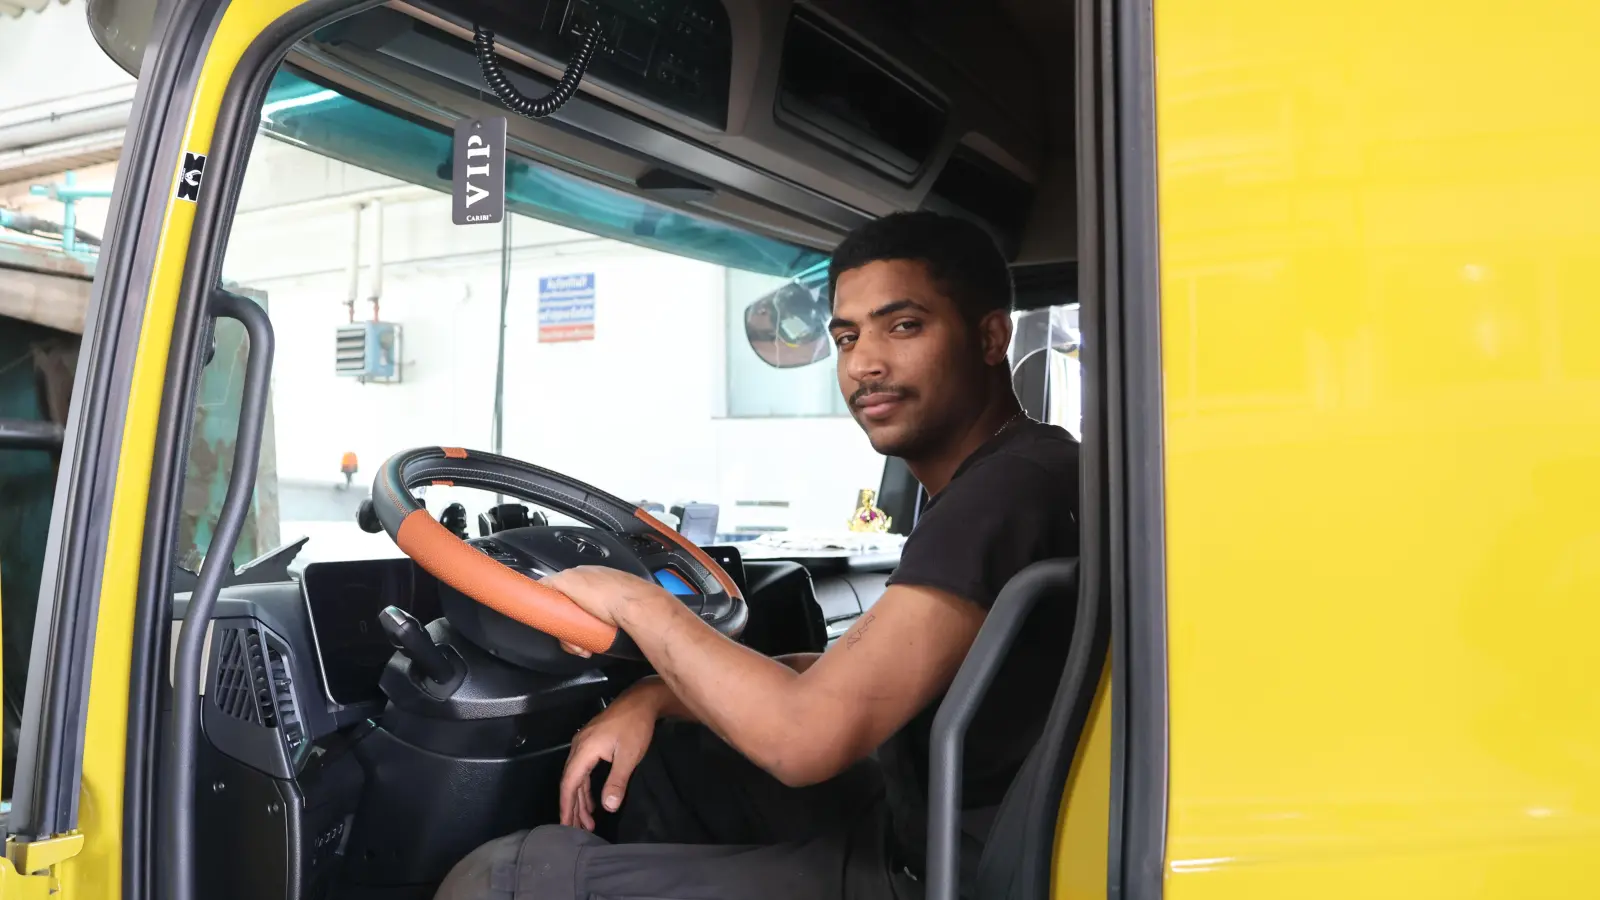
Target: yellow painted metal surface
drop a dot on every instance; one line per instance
(39, 856)
(14, 886)
(97, 871)
(1380, 241)
(1083, 826)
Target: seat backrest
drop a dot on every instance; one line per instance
(1016, 859)
(1019, 852)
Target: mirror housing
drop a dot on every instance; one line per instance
(788, 328)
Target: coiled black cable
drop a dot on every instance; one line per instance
(496, 78)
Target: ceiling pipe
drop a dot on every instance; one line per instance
(56, 127)
(377, 257)
(46, 159)
(354, 292)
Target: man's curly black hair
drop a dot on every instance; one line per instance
(960, 257)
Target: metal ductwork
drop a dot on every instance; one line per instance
(48, 159)
(55, 127)
(65, 133)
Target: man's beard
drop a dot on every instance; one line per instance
(912, 441)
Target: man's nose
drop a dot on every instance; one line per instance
(866, 361)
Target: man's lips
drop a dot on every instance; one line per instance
(879, 405)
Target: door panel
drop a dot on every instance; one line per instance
(1378, 238)
(51, 754)
(72, 766)
(104, 762)
(1081, 831)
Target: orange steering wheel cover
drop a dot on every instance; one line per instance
(503, 590)
(689, 547)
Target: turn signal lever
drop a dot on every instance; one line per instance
(408, 635)
(367, 518)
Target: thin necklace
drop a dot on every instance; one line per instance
(1006, 424)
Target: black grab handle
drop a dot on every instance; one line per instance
(1000, 629)
(186, 674)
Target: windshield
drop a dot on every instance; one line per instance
(627, 363)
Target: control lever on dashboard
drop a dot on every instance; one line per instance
(454, 518)
(408, 635)
(507, 516)
(367, 517)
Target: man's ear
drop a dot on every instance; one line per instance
(994, 331)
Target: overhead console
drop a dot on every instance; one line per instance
(798, 119)
(836, 92)
(921, 131)
(675, 53)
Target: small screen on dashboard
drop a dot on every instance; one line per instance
(344, 599)
(675, 583)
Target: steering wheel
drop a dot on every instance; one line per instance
(499, 571)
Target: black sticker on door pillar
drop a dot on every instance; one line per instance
(194, 167)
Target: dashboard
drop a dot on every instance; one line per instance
(312, 652)
(295, 721)
(342, 602)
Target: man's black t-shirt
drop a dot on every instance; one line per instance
(1012, 503)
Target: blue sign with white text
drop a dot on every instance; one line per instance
(566, 308)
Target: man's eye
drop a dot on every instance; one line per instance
(907, 325)
(840, 340)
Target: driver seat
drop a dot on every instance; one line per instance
(1017, 855)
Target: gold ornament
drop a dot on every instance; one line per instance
(868, 517)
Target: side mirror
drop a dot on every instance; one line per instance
(788, 328)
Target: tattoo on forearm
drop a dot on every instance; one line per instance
(860, 630)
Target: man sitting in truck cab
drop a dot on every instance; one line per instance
(765, 782)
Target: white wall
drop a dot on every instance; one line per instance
(638, 411)
(51, 55)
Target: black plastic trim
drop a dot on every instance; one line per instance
(50, 754)
(233, 137)
(261, 745)
(899, 495)
(841, 137)
(1019, 856)
(1044, 285)
(1142, 641)
(1102, 468)
(30, 434)
(187, 675)
(1119, 258)
(429, 50)
(947, 744)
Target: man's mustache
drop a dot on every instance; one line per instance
(894, 390)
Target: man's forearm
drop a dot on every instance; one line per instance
(807, 720)
(798, 661)
(668, 706)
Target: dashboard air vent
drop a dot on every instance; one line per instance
(235, 690)
(283, 705)
(253, 683)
